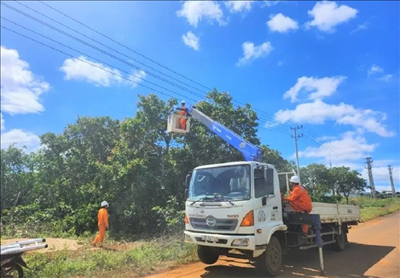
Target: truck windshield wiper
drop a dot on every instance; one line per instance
(202, 199)
(230, 202)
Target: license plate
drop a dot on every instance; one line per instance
(209, 238)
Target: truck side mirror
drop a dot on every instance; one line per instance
(187, 180)
(264, 200)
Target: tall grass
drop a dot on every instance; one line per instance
(373, 208)
(105, 262)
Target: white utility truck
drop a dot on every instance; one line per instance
(235, 209)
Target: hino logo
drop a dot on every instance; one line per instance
(211, 221)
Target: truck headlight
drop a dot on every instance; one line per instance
(241, 242)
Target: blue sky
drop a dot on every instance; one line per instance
(332, 67)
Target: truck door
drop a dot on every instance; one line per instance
(266, 203)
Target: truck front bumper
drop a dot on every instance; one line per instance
(245, 242)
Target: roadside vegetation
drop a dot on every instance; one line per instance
(373, 208)
(112, 260)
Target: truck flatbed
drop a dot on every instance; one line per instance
(330, 213)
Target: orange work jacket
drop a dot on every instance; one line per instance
(299, 197)
(102, 217)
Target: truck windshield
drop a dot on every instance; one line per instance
(230, 183)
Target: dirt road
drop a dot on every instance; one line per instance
(373, 252)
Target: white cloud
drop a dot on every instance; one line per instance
(2, 122)
(195, 11)
(327, 15)
(238, 6)
(349, 148)
(137, 76)
(320, 87)
(386, 78)
(20, 88)
(360, 27)
(191, 40)
(21, 139)
(281, 23)
(99, 75)
(375, 69)
(270, 3)
(318, 112)
(252, 52)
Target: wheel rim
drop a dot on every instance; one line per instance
(274, 256)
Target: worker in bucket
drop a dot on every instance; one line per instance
(299, 200)
(183, 114)
(102, 222)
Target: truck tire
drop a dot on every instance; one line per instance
(207, 255)
(340, 243)
(270, 261)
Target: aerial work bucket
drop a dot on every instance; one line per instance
(178, 124)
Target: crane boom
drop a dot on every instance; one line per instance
(249, 151)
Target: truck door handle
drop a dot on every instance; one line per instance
(275, 207)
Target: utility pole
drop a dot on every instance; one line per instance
(296, 137)
(391, 181)
(371, 178)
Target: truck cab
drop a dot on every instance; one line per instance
(233, 205)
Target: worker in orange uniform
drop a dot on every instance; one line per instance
(102, 222)
(183, 114)
(299, 199)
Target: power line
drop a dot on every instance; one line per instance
(102, 68)
(128, 79)
(93, 46)
(142, 79)
(96, 48)
(110, 48)
(107, 37)
(262, 112)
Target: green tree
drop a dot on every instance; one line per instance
(316, 179)
(347, 181)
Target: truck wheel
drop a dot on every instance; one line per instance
(340, 243)
(15, 270)
(271, 260)
(207, 255)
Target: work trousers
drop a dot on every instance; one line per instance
(301, 207)
(100, 236)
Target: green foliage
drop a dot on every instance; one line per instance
(346, 181)
(372, 208)
(170, 217)
(320, 182)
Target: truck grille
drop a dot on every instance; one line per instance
(220, 224)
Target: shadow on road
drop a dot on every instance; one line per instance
(354, 261)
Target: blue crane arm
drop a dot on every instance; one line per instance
(248, 150)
